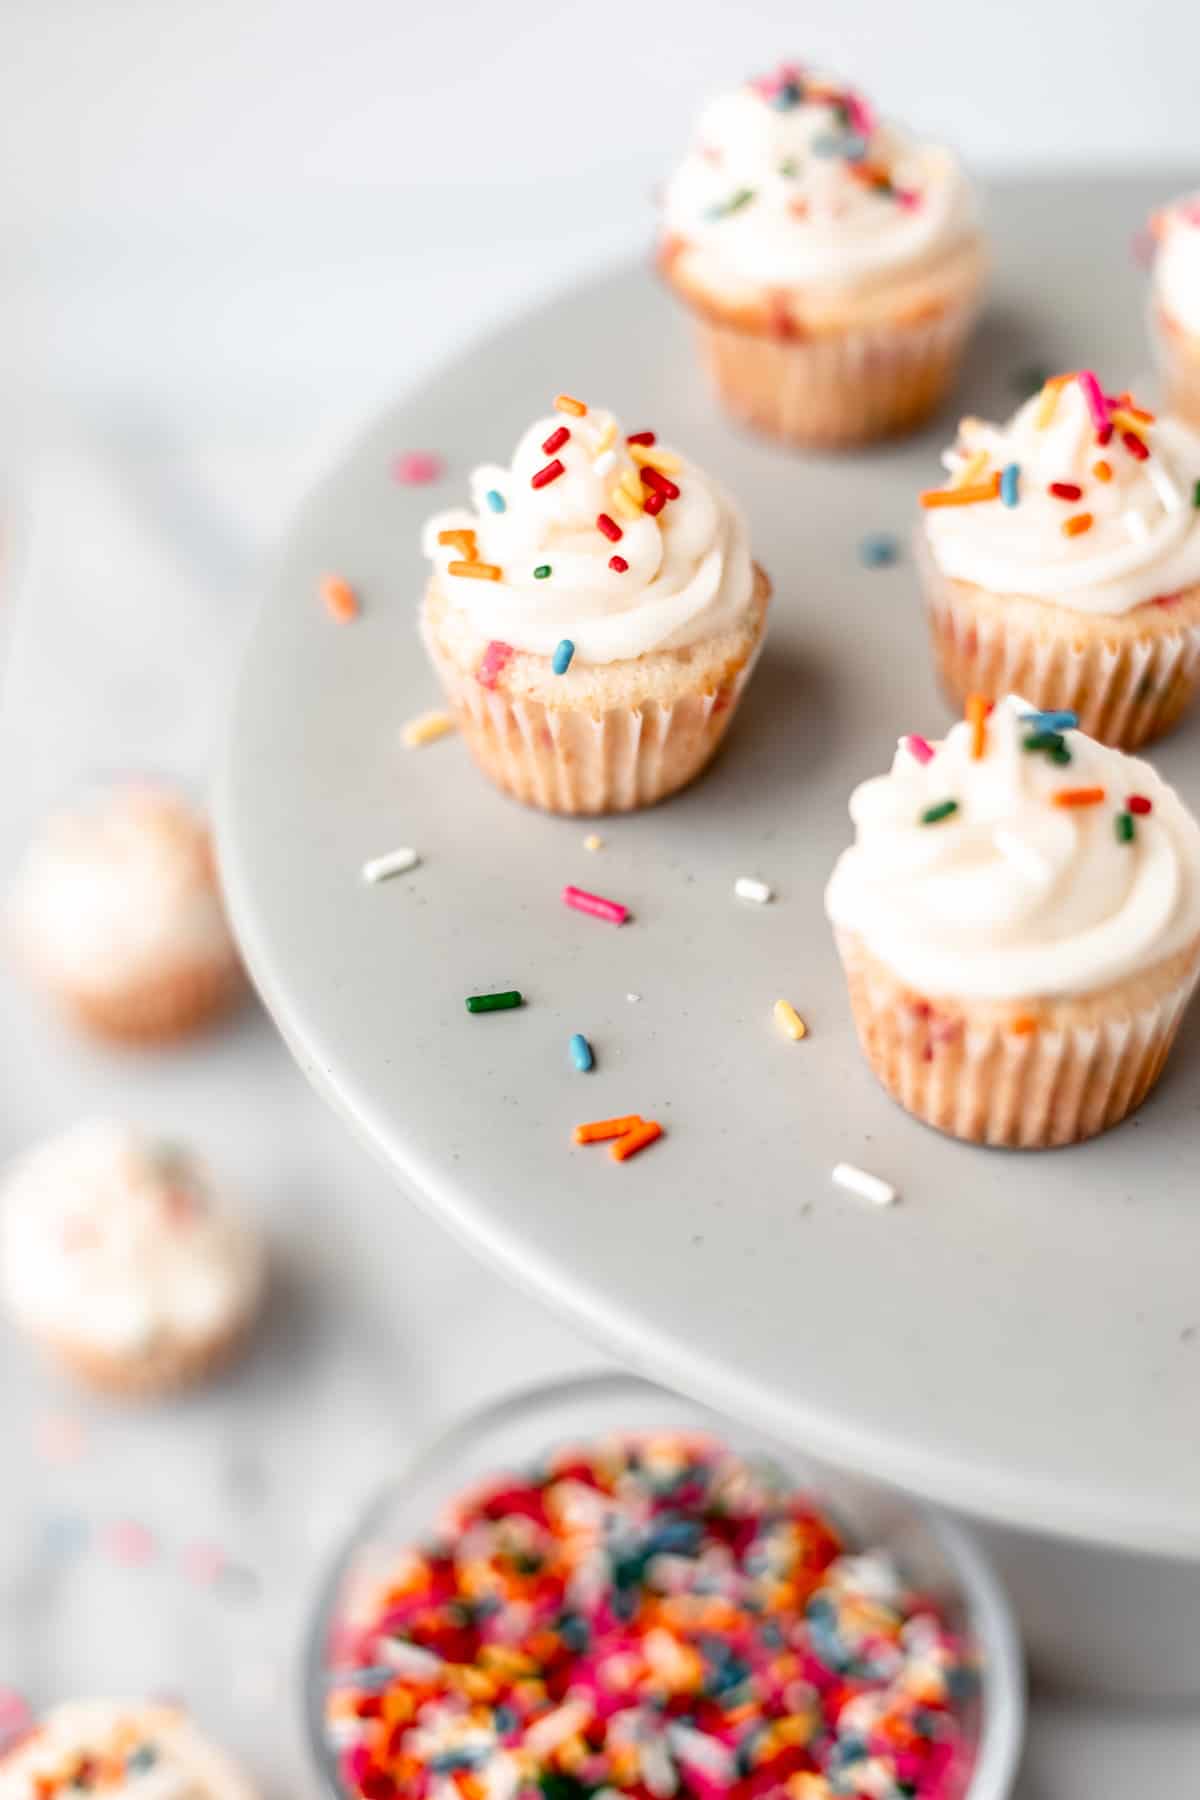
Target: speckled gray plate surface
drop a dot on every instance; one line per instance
(1021, 1335)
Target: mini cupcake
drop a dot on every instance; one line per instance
(107, 1747)
(833, 264)
(1019, 923)
(1062, 561)
(1175, 303)
(594, 616)
(116, 1256)
(117, 911)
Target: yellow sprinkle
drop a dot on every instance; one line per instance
(649, 456)
(1125, 421)
(1048, 404)
(621, 503)
(789, 1020)
(592, 842)
(427, 729)
(606, 439)
(567, 403)
(628, 482)
(971, 470)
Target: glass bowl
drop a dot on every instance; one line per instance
(935, 1554)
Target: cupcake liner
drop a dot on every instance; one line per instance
(837, 388)
(157, 1010)
(1023, 1075)
(1129, 677)
(166, 1368)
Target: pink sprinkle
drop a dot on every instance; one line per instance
(861, 114)
(129, 1543)
(15, 1717)
(908, 198)
(203, 1563)
(919, 747)
(416, 468)
(495, 658)
(1092, 393)
(612, 910)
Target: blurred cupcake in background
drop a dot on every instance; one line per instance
(118, 1257)
(117, 912)
(832, 263)
(148, 1749)
(1061, 561)
(1175, 303)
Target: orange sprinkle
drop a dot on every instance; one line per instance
(971, 470)
(461, 540)
(1102, 470)
(1140, 413)
(977, 711)
(1077, 523)
(1092, 796)
(600, 1129)
(1049, 400)
(478, 571)
(568, 404)
(340, 598)
(1131, 419)
(963, 496)
(1023, 1025)
(635, 1140)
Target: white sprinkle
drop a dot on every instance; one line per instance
(592, 842)
(396, 862)
(1136, 525)
(605, 463)
(633, 999)
(868, 1187)
(746, 888)
(1163, 485)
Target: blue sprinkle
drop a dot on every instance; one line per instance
(1008, 484)
(581, 1052)
(879, 551)
(786, 96)
(849, 144)
(496, 500)
(64, 1534)
(562, 656)
(1051, 721)
(144, 1757)
(377, 1675)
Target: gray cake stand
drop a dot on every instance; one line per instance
(1020, 1337)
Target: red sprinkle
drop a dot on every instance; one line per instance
(612, 910)
(545, 476)
(654, 503)
(1104, 434)
(1134, 445)
(1138, 803)
(1066, 490)
(618, 563)
(662, 484)
(415, 468)
(641, 437)
(495, 658)
(556, 440)
(609, 527)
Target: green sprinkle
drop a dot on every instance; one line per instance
(1060, 755)
(735, 203)
(1044, 740)
(933, 815)
(481, 1003)
(541, 572)
(1124, 827)
(1196, 494)
(789, 169)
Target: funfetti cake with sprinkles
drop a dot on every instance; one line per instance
(1175, 302)
(1062, 560)
(593, 615)
(1019, 923)
(148, 1751)
(833, 264)
(641, 1618)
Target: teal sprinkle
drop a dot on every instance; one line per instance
(496, 500)
(879, 551)
(581, 1052)
(563, 653)
(1051, 721)
(850, 145)
(541, 572)
(786, 96)
(1008, 484)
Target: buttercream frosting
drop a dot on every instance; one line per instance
(577, 558)
(792, 181)
(1010, 894)
(142, 1752)
(118, 886)
(1121, 529)
(111, 1240)
(1177, 262)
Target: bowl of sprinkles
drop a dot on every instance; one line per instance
(597, 1588)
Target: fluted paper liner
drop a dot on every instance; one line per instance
(1128, 676)
(1028, 1075)
(161, 1008)
(168, 1366)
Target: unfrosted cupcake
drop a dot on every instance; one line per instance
(116, 1255)
(832, 263)
(1175, 303)
(1019, 923)
(117, 911)
(1062, 561)
(124, 1751)
(594, 615)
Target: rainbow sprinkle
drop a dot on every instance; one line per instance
(581, 1052)
(945, 809)
(563, 653)
(596, 905)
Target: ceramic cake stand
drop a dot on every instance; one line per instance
(1020, 1336)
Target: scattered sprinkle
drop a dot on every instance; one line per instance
(1125, 827)
(1010, 478)
(866, 1186)
(427, 728)
(726, 208)
(1102, 469)
(476, 571)
(496, 500)
(633, 999)
(564, 650)
(665, 461)
(542, 572)
(789, 1020)
(129, 1543)
(203, 1563)
(340, 599)
(486, 1003)
(1065, 490)
(644, 438)
(977, 710)
(659, 483)
(1135, 445)
(919, 747)
(417, 468)
(1093, 394)
(460, 538)
(963, 496)
(1196, 494)
(1077, 524)
(556, 440)
(600, 1130)
(1138, 803)
(16, 1718)
(495, 660)
(618, 564)
(581, 1052)
(609, 527)
(567, 403)
(593, 842)
(1048, 404)
(64, 1534)
(1081, 796)
(394, 862)
(1051, 721)
(879, 550)
(637, 1139)
(933, 815)
(545, 476)
(747, 888)
(596, 905)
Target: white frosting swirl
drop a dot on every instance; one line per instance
(1143, 542)
(112, 1241)
(1014, 897)
(791, 182)
(145, 1752)
(1177, 262)
(689, 572)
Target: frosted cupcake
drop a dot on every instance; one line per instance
(146, 1751)
(117, 912)
(1175, 303)
(1062, 561)
(594, 615)
(832, 263)
(116, 1256)
(1019, 923)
